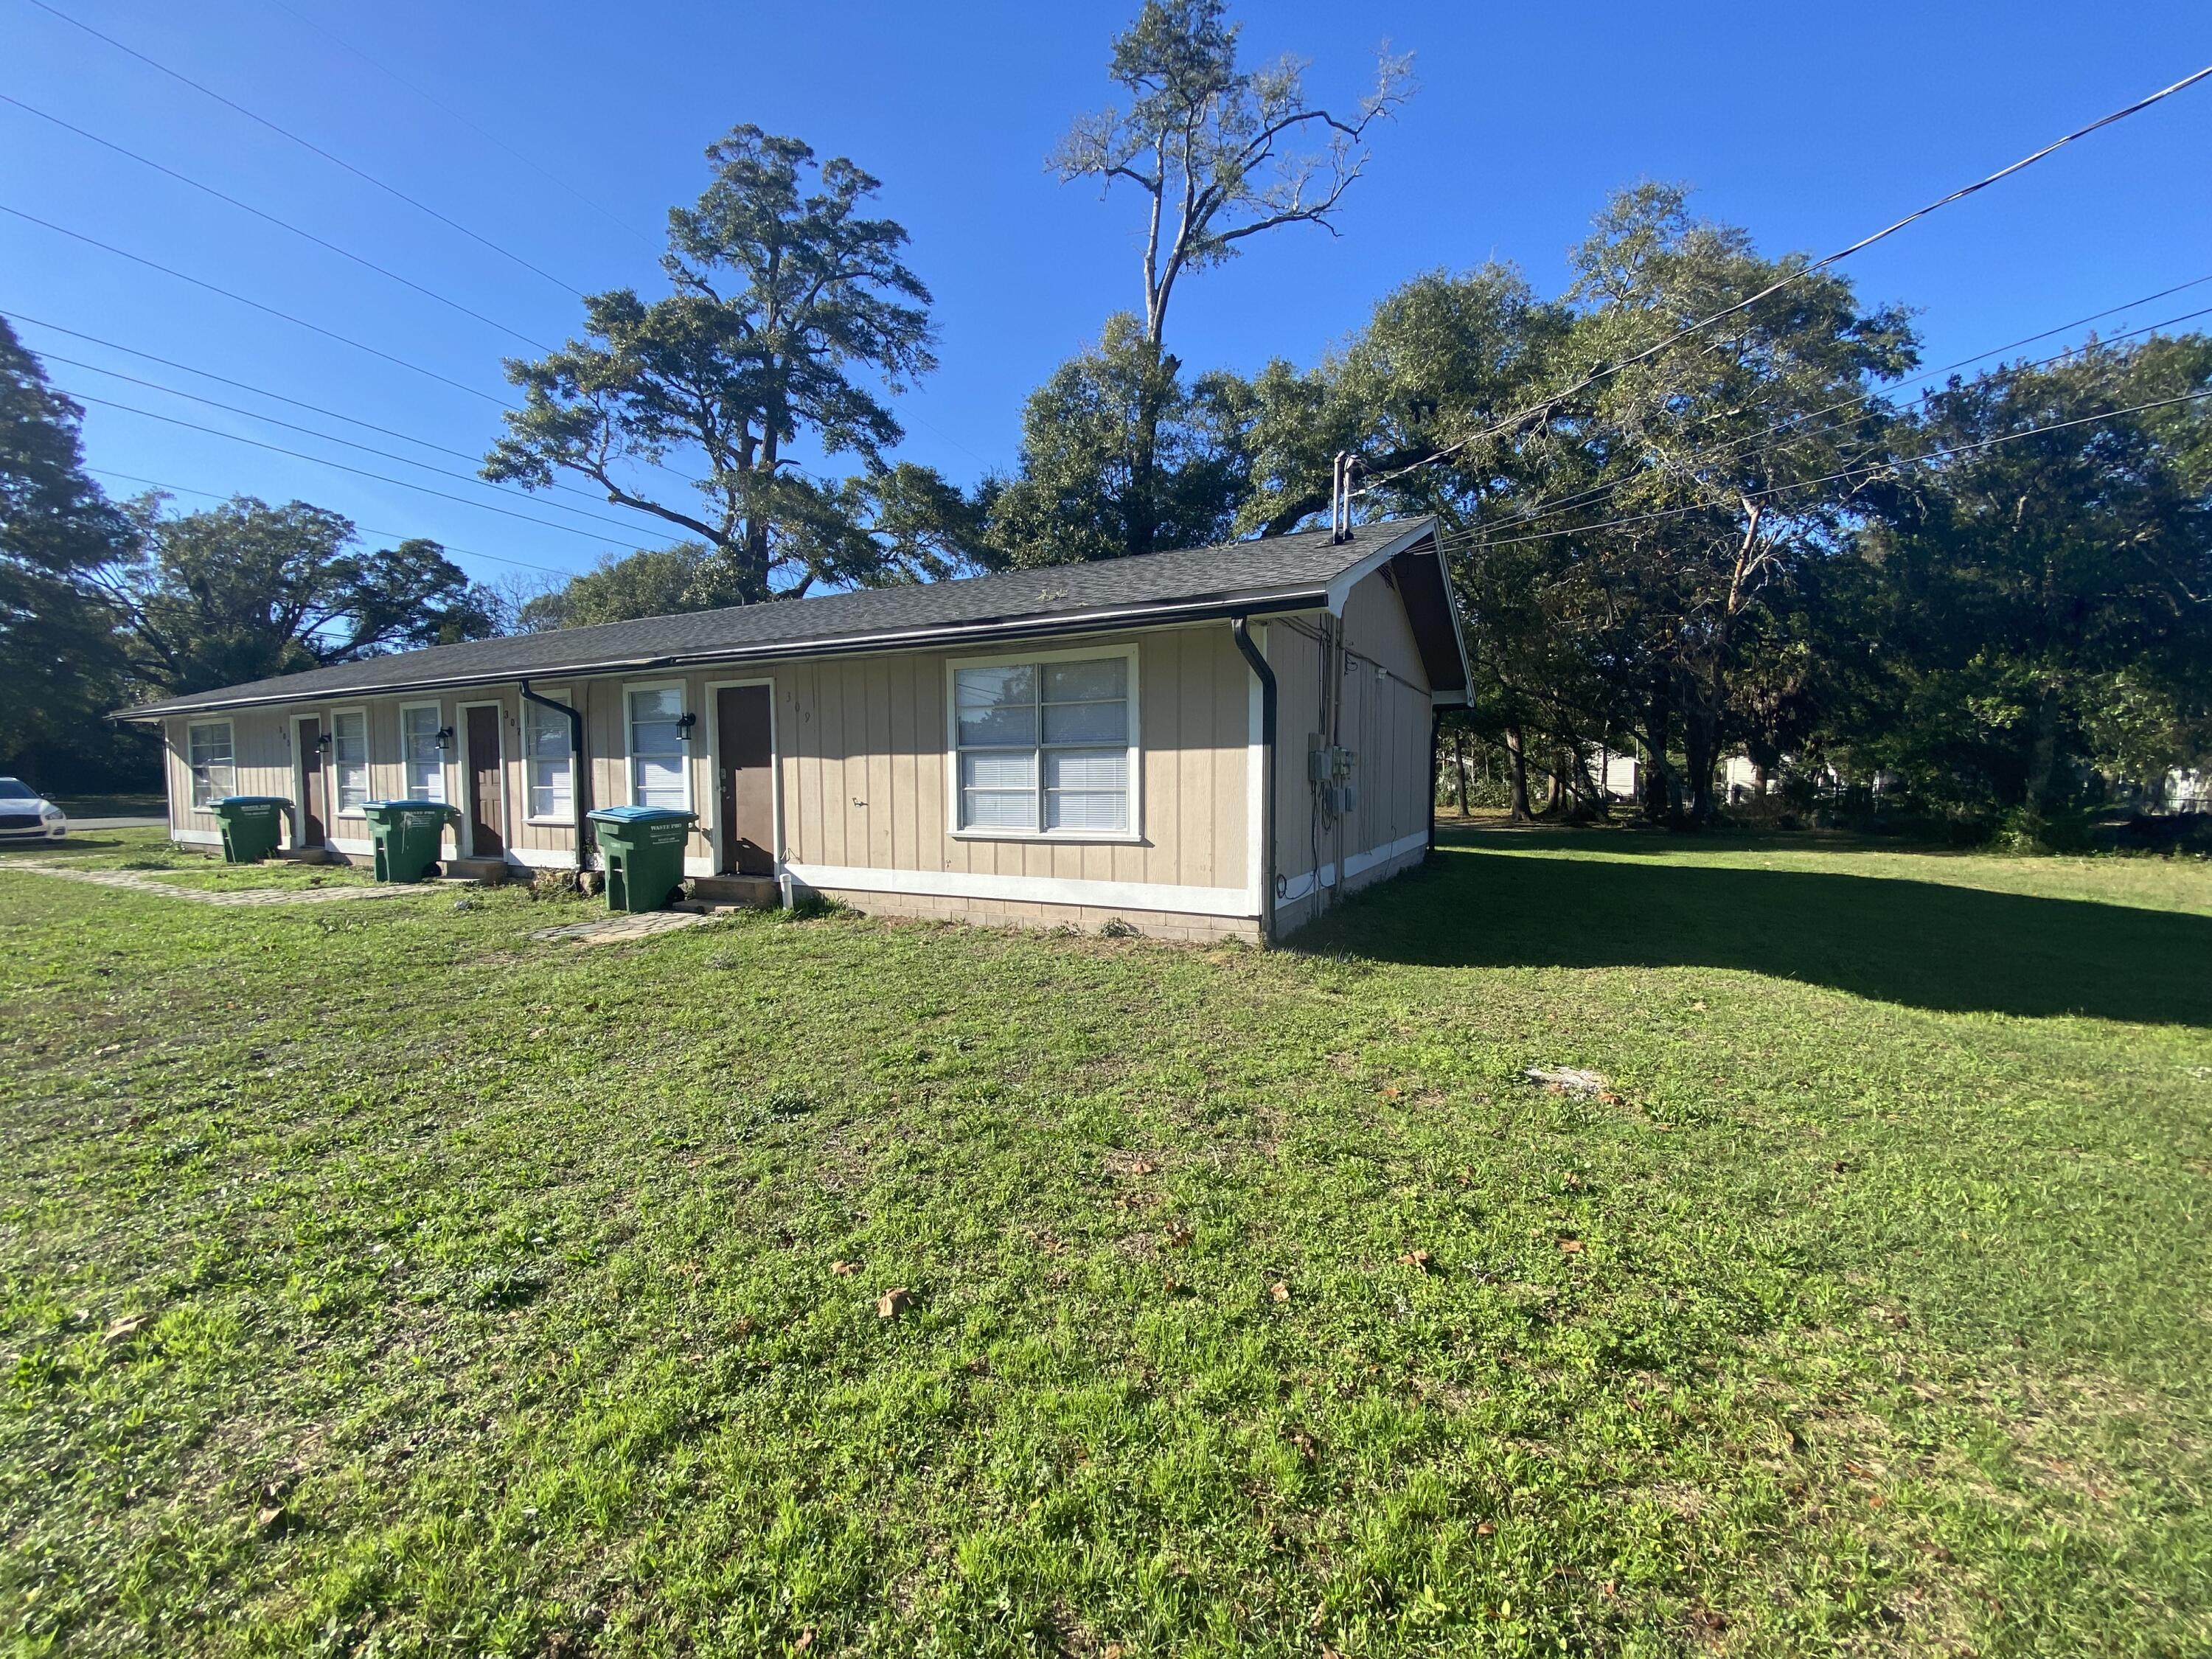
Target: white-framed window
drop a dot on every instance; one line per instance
(658, 774)
(1045, 745)
(349, 761)
(209, 751)
(422, 762)
(550, 760)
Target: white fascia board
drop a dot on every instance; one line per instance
(1339, 589)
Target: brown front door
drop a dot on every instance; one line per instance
(307, 822)
(747, 812)
(487, 803)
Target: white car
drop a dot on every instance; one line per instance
(26, 815)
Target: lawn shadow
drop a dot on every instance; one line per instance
(95, 841)
(1922, 943)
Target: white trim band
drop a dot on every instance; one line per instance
(1027, 889)
(1298, 887)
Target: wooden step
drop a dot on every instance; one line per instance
(756, 892)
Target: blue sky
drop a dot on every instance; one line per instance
(1810, 125)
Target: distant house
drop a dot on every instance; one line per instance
(1207, 743)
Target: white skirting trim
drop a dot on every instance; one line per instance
(198, 837)
(1356, 864)
(1028, 889)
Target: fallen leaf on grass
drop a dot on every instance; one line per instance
(1571, 1247)
(270, 1519)
(1484, 1530)
(843, 1269)
(891, 1304)
(1177, 1236)
(1419, 1260)
(1279, 1291)
(806, 1640)
(124, 1329)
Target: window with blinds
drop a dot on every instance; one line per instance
(1045, 748)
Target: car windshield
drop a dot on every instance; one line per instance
(16, 789)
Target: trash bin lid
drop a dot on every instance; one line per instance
(251, 800)
(640, 815)
(406, 805)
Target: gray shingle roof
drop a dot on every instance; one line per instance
(1272, 572)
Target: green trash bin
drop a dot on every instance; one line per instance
(409, 835)
(644, 849)
(252, 826)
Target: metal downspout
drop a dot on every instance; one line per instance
(579, 788)
(1239, 630)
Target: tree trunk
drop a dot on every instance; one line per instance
(1516, 770)
(1701, 739)
(1660, 798)
(2042, 759)
(1554, 792)
(1594, 795)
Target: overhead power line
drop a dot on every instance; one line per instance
(301, 322)
(1471, 538)
(248, 386)
(321, 460)
(1696, 457)
(1608, 370)
(281, 224)
(366, 530)
(490, 137)
(331, 436)
(335, 160)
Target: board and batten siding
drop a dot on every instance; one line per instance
(1384, 719)
(863, 775)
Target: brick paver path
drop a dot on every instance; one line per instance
(133, 881)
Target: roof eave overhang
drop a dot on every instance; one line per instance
(1339, 592)
(1208, 608)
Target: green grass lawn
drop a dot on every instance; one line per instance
(378, 1281)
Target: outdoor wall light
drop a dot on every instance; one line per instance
(445, 736)
(324, 741)
(686, 723)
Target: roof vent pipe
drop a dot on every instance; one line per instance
(1339, 495)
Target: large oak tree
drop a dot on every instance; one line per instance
(793, 315)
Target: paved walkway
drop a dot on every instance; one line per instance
(133, 881)
(622, 929)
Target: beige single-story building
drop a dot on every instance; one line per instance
(1202, 745)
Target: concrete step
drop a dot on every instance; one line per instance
(487, 873)
(754, 892)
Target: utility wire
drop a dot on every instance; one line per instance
(335, 160)
(319, 460)
(331, 437)
(366, 530)
(282, 224)
(196, 282)
(493, 139)
(1605, 370)
(1470, 538)
(1706, 458)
